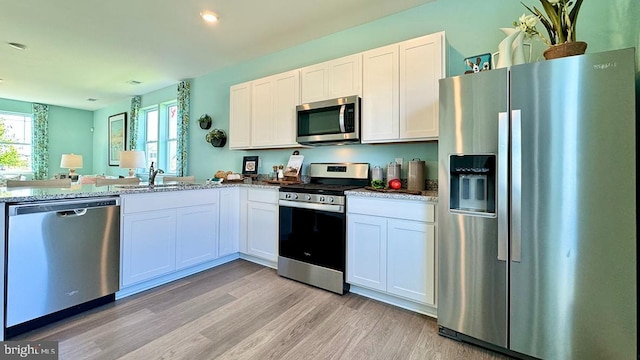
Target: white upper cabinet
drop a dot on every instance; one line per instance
(398, 85)
(380, 104)
(331, 79)
(240, 116)
(400, 90)
(263, 112)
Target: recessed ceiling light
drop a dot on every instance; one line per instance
(18, 46)
(91, 99)
(134, 82)
(209, 16)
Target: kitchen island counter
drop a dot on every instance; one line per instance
(30, 194)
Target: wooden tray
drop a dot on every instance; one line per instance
(284, 182)
(399, 191)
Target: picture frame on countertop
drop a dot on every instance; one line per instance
(117, 137)
(250, 165)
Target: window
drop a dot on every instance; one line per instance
(15, 142)
(161, 136)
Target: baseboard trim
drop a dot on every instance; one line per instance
(260, 261)
(140, 287)
(396, 301)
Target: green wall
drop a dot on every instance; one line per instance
(70, 131)
(471, 28)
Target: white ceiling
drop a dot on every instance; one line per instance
(79, 49)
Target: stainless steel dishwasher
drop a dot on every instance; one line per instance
(60, 254)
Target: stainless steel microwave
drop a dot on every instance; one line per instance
(334, 121)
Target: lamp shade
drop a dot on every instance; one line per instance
(133, 159)
(71, 161)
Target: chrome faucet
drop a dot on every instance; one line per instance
(153, 173)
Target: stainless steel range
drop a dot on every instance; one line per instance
(312, 236)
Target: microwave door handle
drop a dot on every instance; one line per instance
(342, 109)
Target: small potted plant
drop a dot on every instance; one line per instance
(205, 121)
(560, 23)
(216, 137)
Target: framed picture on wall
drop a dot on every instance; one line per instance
(250, 165)
(117, 137)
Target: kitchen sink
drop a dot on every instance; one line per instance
(157, 186)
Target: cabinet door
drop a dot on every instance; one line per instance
(380, 112)
(240, 116)
(331, 79)
(148, 245)
(421, 66)
(262, 230)
(367, 251)
(411, 260)
(262, 112)
(196, 235)
(229, 214)
(286, 95)
(313, 83)
(345, 76)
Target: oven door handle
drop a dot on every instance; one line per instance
(312, 206)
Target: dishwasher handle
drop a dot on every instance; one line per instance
(62, 207)
(71, 213)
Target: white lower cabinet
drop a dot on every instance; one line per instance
(391, 247)
(367, 251)
(196, 235)
(171, 232)
(261, 225)
(411, 260)
(148, 245)
(229, 215)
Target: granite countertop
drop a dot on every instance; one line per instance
(15, 195)
(431, 196)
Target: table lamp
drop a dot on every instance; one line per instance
(71, 162)
(133, 159)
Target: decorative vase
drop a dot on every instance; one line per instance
(511, 49)
(565, 49)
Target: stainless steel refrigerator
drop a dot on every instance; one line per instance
(537, 208)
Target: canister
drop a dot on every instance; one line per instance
(376, 173)
(415, 175)
(393, 171)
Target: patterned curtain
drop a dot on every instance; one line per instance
(40, 142)
(183, 127)
(133, 121)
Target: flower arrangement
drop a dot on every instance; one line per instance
(560, 21)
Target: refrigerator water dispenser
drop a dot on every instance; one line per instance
(473, 179)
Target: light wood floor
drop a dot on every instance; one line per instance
(241, 310)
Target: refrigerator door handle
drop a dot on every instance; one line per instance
(503, 183)
(516, 185)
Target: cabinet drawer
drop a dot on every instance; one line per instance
(263, 195)
(167, 200)
(390, 208)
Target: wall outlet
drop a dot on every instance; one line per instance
(399, 161)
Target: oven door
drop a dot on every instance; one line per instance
(313, 234)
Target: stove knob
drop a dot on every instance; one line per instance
(295, 196)
(331, 199)
(287, 196)
(308, 197)
(321, 199)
